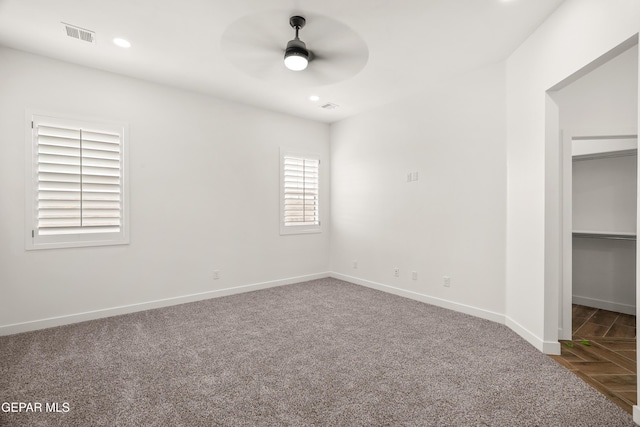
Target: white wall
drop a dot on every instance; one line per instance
(451, 222)
(605, 99)
(604, 194)
(204, 177)
(604, 274)
(579, 32)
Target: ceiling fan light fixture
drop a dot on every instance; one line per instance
(295, 62)
(296, 55)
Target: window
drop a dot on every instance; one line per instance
(76, 192)
(300, 191)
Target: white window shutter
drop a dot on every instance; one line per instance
(301, 195)
(58, 189)
(78, 181)
(78, 193)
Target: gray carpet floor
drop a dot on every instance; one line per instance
(325, 353)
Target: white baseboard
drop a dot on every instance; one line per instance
(131, 308)
(451, 305)
(605, 305)
(636, 414)
(547, 347)
(564, 335)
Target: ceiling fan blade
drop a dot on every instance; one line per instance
(252, 43)
(339, 65)
(255, 33)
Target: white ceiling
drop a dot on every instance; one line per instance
(404, 46)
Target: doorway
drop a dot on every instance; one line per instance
(598, 119)
(599, 224)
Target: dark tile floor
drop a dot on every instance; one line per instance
(591, 322)
(603, 353)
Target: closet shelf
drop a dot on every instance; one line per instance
(604, 235)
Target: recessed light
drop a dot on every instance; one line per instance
(314, 98)
(121, 42)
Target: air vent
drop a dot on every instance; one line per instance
(80, 33)
(330, 106)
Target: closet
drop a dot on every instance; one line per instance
(604, 187)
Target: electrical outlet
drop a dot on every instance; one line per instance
(216, 274)
(414, 275)
(396, 272)
(355, 264)
(446, 281)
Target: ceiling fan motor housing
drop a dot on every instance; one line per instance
(296, 47)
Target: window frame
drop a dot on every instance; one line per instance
(303, 228)
(35, 241)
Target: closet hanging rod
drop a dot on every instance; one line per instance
(607, 236)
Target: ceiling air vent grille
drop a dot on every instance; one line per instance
(80, 33)
(330, 106)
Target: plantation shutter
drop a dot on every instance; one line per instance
(78, 179)
(301, 191)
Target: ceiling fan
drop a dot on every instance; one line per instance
(297, 56)
(254, 44)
